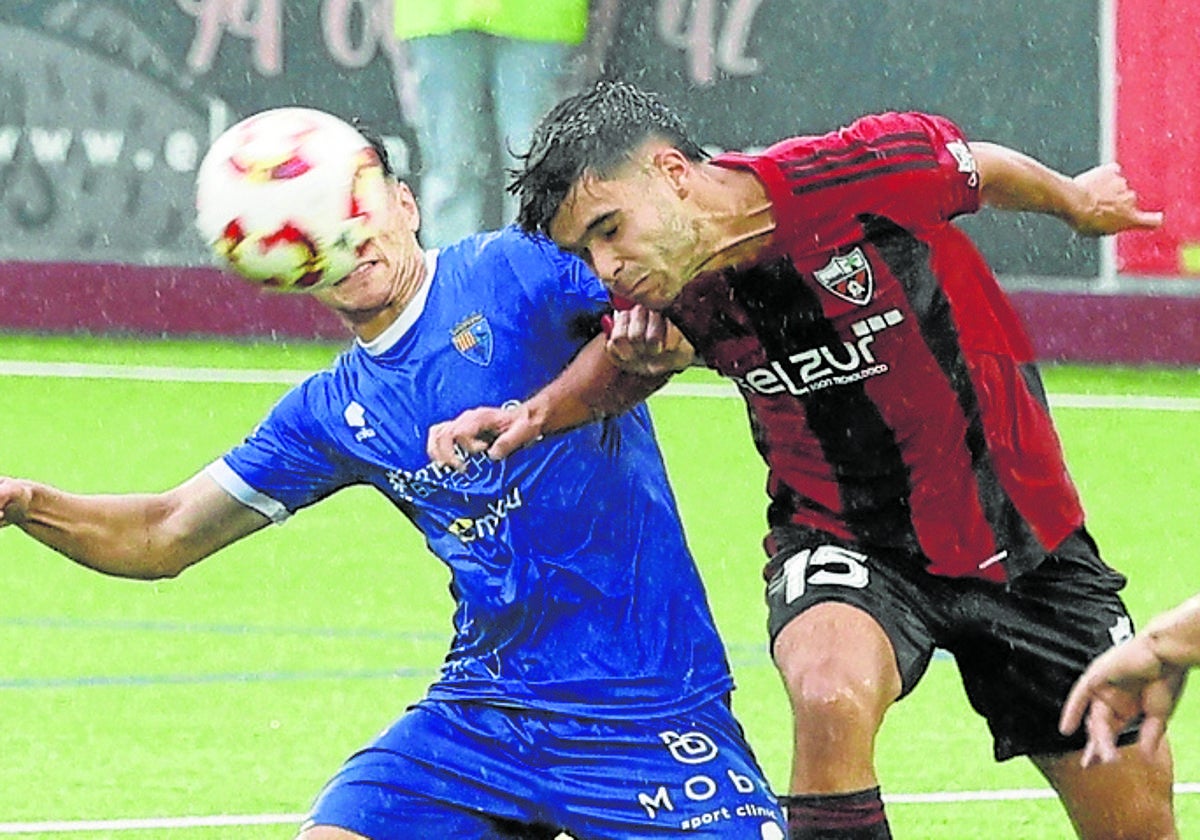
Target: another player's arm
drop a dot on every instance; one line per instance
(596, 384)
(131, 535)
(1096, 202)
(1143, 676)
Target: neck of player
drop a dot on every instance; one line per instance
(739, 216)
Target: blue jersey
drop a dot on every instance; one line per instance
(575, 589)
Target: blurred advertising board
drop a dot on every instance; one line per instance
(107, 106)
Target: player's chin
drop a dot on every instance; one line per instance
(656, 302)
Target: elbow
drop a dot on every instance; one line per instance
(164, 571)
(167, 565)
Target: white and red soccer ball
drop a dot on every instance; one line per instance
(287, 197)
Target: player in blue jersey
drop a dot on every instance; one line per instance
(586, 689)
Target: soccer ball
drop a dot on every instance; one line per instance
(287, 197)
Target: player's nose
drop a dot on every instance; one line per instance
(607, 266)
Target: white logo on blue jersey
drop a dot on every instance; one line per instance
(422, 483)
(689, 747)
(356, 418)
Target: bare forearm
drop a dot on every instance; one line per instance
(131, 535)
(588, 389)
(1011, 180)
(1096, 202)
(110, 534)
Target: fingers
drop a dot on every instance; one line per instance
(636, 333)
(1075, 707)
(1151, 734)
(1147, 220)
(1116, 203)
(453, 442)
(498, 432)
(15, 498)
(1103, 727)
(645, 342)
(509, 442)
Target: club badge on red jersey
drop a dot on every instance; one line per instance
(849, 277)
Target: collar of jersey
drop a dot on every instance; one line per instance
(395, 331)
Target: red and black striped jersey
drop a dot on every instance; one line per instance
(891, 387)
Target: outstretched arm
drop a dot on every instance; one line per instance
(1143, 676)
(1096, 202)
(611, 374)
(132, 535)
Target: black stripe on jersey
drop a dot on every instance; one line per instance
(870, 172)
(864, 160)
(883, 142)
(908, 260)
(859, 446)
(794, 171)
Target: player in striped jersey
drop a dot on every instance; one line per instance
(919, 497)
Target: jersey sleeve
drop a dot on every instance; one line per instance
(559, 283)
(284, 464)
(915, 169)
(560, 290)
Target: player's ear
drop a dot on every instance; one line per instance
(675, 166)
(405, 205)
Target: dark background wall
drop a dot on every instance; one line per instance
(107, 105)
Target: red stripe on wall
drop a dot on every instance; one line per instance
(172, 301)
(1158, 130)
(153, 300)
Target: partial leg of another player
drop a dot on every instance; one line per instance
(1130, 799)
(840, 672)
(329, 832)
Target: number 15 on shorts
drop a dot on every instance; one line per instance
(826, 565)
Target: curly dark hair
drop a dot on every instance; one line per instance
(592, 131)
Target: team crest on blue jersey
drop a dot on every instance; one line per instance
(473, 338)
(849, 277)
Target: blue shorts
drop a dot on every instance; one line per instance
(471, 771)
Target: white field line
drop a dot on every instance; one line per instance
(255, 376)
(228, 821)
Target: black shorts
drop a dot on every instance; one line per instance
(1019, 646)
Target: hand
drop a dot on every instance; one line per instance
(497, 431)
(1122, 683)
(1112, 205)
(15, 498)
(644, 342)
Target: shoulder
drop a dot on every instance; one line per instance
(507, 249)
(868, 134)
(308, 399)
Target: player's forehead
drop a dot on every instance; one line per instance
(591, 199)
(588, 198)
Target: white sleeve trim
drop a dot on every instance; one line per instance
(235, 486)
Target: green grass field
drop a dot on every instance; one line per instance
(239, 687)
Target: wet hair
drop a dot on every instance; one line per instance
(594, 131)
(375, 139)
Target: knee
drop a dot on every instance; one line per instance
(829, 695)
(837, 665)
(327, 832)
